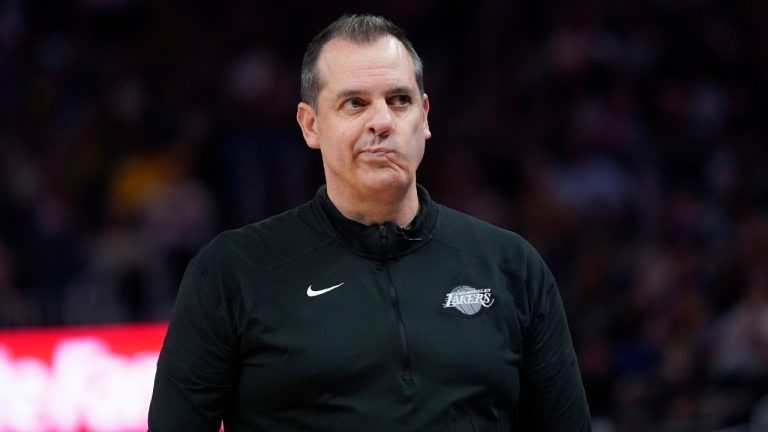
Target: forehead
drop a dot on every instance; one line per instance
(343, 63)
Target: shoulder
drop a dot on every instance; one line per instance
(265, 244)
(510, 250)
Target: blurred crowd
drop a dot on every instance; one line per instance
(628, 141)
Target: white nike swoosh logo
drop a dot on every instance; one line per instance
(312, 293)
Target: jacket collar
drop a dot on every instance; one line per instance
(380, 241)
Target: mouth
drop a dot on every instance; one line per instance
(376, 151)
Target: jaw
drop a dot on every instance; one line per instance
(375, 181)
(374, 193)
(385, 183)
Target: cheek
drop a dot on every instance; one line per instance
(337, 142)
(419, 144)
(419, 153)
(344, 135)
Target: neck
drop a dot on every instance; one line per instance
(399, 207)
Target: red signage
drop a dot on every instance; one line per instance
(95, 378)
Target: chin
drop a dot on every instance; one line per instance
(387, 183)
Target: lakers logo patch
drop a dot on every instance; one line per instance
(468, 300)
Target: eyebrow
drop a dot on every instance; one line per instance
(357, 92)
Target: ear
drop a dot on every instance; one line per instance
(425, 107)
(307, 119)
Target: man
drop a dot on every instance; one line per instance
(370, 308)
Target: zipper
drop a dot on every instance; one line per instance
(406, 375)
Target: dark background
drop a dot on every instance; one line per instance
(625, 140)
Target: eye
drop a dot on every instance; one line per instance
(353, 103)
(400, 100)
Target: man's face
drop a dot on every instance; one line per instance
(371, 119)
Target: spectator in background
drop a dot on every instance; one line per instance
(15, 309)
(668, 98)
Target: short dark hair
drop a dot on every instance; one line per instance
(360, 29)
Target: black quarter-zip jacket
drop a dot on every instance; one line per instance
(309, 321)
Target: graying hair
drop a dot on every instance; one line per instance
(359, 29)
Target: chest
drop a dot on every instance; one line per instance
(333, 323)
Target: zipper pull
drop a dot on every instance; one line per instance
(383, 237)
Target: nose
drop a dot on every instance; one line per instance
(381, 120)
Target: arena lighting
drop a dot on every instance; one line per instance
(95, 378)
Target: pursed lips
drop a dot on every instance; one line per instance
(376, 151)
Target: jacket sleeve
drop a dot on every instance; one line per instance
(552, 394)
(197, 369)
